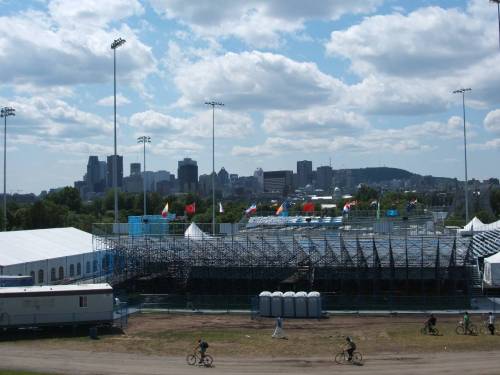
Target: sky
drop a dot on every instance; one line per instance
(360, 83)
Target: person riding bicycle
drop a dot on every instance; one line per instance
(350, 347)
(430, 324)
(202, 347)
(466, 322)
(491, 323)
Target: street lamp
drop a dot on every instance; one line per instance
(5, 112)
(498, 12)
(144, 140)
(116, 43)
(213, 104)
(463, 91)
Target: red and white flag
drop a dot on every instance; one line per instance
(221, 209)
(190, 208)
(164, 213)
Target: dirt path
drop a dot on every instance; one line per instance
(83, 362)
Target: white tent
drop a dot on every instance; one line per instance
(195, 233)
(492, 270)
(476, 225)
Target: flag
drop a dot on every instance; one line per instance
(411, 205)
(190, 208)
(308, 207)
(283, 209)
(164, 213)
(252, 209)
(221, 209)
(347, 207)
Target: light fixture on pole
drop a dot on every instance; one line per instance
(5, 112)
(498, 12)
(213, 104)
(116, 43)
(463, 91)
(144, 140)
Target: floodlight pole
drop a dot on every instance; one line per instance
(498, 12)
(213, 104)
(463, 91)
(116, 43)
(144, 140)
(5, 112)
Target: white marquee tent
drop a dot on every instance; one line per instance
(492, 271)
(193, 232)
(476, 225)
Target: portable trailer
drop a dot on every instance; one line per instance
(56, 305)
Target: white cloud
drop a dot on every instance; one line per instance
(227, 124)
(108, 101)
(259, 23)
(492, 121)
(255, 81)
(410, 64)
(62, 48)
(492, 144)
(327, 120)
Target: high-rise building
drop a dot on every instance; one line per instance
(278, 182)
(135, 169)
(304, 173)
(259, 175)
(187, 174)
(93, 175)
(119, 168)
(324, 176)
(223, 177)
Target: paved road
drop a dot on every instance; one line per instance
(20, 357)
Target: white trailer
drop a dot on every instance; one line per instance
(56, 305)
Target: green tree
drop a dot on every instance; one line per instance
(69, 197)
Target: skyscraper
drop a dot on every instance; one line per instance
(304, 173)
(135, 169)
(187, 174)
(279, 182)
(119, 167)
(324, 176)
(93, 175)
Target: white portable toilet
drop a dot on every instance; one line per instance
(265, 303)
(301, 305)
(289, 305)
(314, 305)
(276, 304)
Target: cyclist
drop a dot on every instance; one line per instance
(350, 347)
(491, 323)
(202, 347)
(430, 324)
(466, 322)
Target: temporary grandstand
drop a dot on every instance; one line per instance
(345, 265)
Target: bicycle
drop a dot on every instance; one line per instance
(193, 359)
(460, 329)
(429, 331)
(342, 358)
(484, 329)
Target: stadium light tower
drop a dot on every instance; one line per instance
(463, 91)
(5, 112)
(116, 43)
(498, 12)
(213, 104)
(144, 140)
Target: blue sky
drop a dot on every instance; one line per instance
(363, 82)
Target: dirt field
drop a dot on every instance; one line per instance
(157, 344)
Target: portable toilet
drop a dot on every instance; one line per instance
(301, 305)
(265, 303)
(277, 304)
(289, 305)
(314, 305)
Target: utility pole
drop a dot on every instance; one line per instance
(498, 12)
(213, 104)
(144, 140)
(463, 91)
(5, 112)
(116, 43)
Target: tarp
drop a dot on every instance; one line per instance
(492, 270)
(477, 225)
(195, 233)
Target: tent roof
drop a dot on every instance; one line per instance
(32, 245)
(477, 225)
(194, 232)
(493, 259)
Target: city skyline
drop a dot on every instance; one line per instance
(299, 82)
